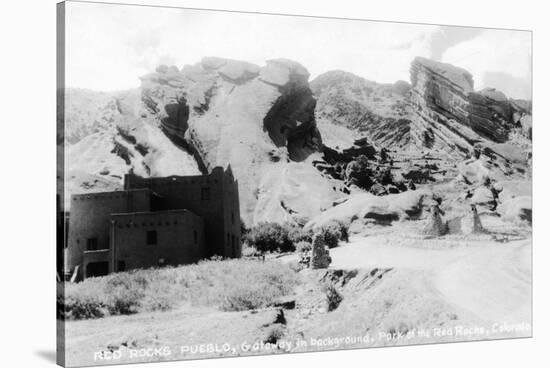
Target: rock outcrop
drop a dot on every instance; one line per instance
(320, 255)
(350, 107)
(258, 119)
(471, 223)
(298, 149)
(108, 136)
(434, 224)
(453, 113)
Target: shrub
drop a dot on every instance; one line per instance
(303, 247)
(274, 335)
(249, 252)
(269, 237)
(334, 298)
(124, 292)
(298, 234)
(83, 307)
(224, 284)
(275, 237)
(296, 266)
(244, 230)
(333, 232)
(246, 297)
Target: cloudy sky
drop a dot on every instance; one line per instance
(110, 46)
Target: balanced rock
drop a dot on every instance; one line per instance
(434, 225)
(320, 257)
(471, 223)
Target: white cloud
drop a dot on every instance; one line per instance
(496, 58)
(110, 46)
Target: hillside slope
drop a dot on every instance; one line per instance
(291, 143)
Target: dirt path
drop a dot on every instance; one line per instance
(490, 280)
(494, 283)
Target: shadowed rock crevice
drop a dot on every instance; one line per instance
(291, 123)
(188, 148)
(177, 115)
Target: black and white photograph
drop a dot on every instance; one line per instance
(235, 184)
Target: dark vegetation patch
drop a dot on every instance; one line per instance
(224, 284)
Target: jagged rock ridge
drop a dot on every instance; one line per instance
(378, 111)
(274, 130)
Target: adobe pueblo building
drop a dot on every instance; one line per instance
(154, 222)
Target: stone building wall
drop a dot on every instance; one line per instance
(89, 221)
(213, 197)
(142, 240)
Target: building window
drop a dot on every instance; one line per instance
(152, 237)
(233, 218)
(91, 244)
(205, 193)
(195, 236)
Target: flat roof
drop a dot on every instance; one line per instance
(111, 192)
(152, 213)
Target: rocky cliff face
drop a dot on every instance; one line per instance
(288, 142)
(107, 136)
(440, 114)
(258, 119)
(449, 92)
(362, 108)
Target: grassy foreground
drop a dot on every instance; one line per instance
(229, 285)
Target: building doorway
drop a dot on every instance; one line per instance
(95, 269)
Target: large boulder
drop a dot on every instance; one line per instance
(434, 225)
(320, 256)
(408, 205)
(449, 115)
(442, 87)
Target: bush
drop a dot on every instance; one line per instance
(224, 284)
(275, 237)
(83, 307)
(334, 298)
(124, 292)
(250, 252)
(274, 335)
(269, 237)
(303, 247)
(246, 297)
(333, 232)
(298, 234)
(296, 266)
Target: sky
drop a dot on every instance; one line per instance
(109, 46)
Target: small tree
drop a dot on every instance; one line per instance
(333, 232)
(270, 237)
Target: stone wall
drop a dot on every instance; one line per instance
(179, 239)
(90, 219)
(214, 197)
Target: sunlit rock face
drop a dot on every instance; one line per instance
(449, 91)
(258, 119)
(289, 141)
(350, 107)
